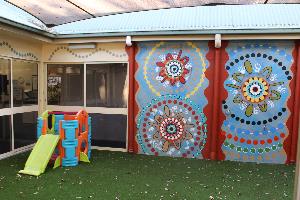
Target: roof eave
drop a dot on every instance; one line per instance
(182, 32)
(26, 28)
(50, 35)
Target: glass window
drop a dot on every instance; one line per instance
(65, 84)
(5, 134)
(109, 130)
(4, 83)
(106, 85)
(25, 128)
(25, 83)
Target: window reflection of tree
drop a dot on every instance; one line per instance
(107, 85)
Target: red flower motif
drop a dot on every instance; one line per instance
(174, 69)
(171, 129)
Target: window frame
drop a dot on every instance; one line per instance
(10, 111)
(54, 107)
(29, 106)
(99, 110)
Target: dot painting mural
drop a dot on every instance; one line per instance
(171, 78)
(256, 107)
(172, 116)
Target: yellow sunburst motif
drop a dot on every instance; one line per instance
(255, 89)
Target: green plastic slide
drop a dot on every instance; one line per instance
(40, 155)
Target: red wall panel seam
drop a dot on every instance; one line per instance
(208, 92)
(222, 95)
(130, 120)
(296, 109)
(216, 80)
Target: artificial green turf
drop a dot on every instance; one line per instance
(116, 175)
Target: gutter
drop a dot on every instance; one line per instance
(182, 32)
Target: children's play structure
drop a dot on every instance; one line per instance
(64, 137)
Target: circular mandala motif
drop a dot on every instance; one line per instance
(174, 68)
(256, 106)
(171, 128)
(166, 72)
(171, 125)
(255, 89)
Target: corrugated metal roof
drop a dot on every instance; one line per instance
(201, 18)
(259, 18)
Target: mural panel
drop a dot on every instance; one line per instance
(256, 107)
(171, 80)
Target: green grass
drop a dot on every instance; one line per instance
(112, 175)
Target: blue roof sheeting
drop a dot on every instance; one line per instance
(202, 18)
(258, 18)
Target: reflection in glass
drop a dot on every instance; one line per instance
(4, 83)
(65, 84)
(25, 83)
(109, 130)
(25, 128)
(5, 134)
(107, 85)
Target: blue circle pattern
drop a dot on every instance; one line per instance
(195, 107)
(279, 58)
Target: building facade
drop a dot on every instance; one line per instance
(229, 91)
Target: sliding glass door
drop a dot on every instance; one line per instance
(5, 104)
(100, 88)
(106, 100)
(18, 104)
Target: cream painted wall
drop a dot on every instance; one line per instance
(14, 46)
(104, 52)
